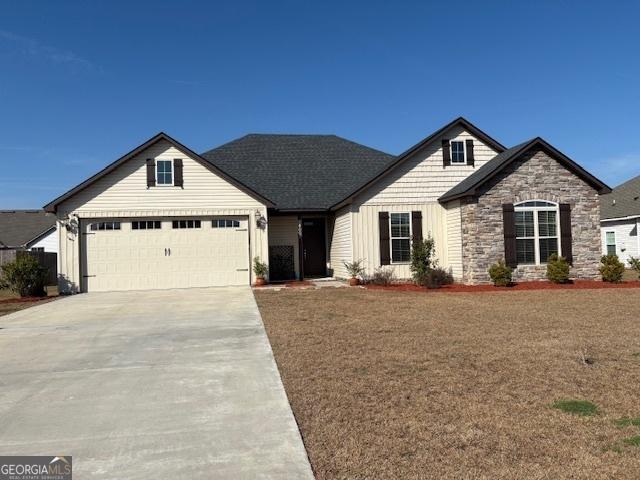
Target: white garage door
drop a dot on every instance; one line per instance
(155, 253)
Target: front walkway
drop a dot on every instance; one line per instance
(158, 384)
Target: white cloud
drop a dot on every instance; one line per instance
(32, 48)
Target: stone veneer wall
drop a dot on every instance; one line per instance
(536, 176)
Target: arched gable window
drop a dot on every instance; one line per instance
(537, 230)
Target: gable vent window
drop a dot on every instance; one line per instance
(164, 172)
(105, 226)
(146, 225)
(226, 223)
(457, 152)
(186, 224)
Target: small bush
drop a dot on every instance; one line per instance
(436, 277)
(382, 276)
(576, 407)
(500, 274)
(24, 276)
(421, 263)
(634, 263)
(354, 269)
(260, 268)
(611, 269)
(557, 269)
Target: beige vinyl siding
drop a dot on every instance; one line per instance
(341, 242)
(123, 193)
(454, 238)
(366, 234)
(125, 189)
(627, 234)
(423, 178)
(284, 231)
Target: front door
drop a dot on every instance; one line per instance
(314, 254)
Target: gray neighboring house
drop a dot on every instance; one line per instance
(164, 216)
(620, 221)
(28, 230)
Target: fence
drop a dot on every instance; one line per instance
(49, 260)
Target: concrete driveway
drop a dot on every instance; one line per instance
(140, 385)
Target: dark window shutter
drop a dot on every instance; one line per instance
(470, 158)
(416, 225)
(151, 172)
(446, 152)
(509, 227)
(177, 172)
(383, 226)
(565, 232)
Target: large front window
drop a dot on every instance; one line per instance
(536, 231)
(400, 237)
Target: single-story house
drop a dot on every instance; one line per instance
(28, 230)
(620, 221)
(164, 216)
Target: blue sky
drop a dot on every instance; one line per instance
(82, 83)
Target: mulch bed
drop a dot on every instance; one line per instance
(26, 299)
(541, 285)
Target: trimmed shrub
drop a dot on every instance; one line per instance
(634, 263)
(24, 276)
(436, 277)
(611, 269)
(557, 269)
(421, 263)
(382, 276)
(500, 274)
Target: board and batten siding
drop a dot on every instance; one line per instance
(341, 242)
(366, 234)
(454, 238)
(423, 177)
(627, 234)
(123, 193)
(283, 230)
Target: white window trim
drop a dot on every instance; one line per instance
(391, 238)
(173, 176)
(464, 150)
(615, 243)
(536, 236)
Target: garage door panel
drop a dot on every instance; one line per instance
(129, 259)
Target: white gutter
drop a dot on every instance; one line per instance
(630, 217)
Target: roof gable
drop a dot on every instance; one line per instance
(408, 154)
(470, 185)
(18, 228)
(52, 206)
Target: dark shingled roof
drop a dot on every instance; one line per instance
(627, 200)
(20, 227)
(299, 172)
(468, 186)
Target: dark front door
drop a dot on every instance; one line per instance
(314, 254)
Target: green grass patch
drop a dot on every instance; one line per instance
(626, 421)
(576, 407)
(633, 441)
(637, 354)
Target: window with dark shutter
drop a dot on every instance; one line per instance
(470, 158)
(508, 226)
(177, 172)
(151, 172)
(383, 226)
(446, 152)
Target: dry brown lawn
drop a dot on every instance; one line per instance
(441, 385)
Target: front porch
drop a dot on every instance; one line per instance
(299, 246)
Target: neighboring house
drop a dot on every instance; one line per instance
(28, 230)
(163, 216)
(620, 221)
